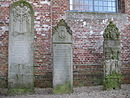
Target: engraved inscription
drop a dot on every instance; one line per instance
(62, 62)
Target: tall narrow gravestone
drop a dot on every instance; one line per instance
(112, 64)
(62, 58)
(20, 72)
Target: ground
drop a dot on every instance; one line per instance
(81, 92)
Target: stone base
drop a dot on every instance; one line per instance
(3, 91)
(63, 89)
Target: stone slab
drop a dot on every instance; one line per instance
(20, 68)
(62, 60)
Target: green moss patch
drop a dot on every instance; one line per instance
(25, 3)
(18, 91)
(112, 81)
(63, 89)
(111, 32)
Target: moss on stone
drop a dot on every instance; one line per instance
(63, 89)
(112, 81)
(111, 32)
(25, 3)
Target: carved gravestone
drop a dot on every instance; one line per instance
(20, 72)
(62, 58)
(112, 64)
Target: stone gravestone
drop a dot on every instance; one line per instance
(62, 58)
(112, 64)
(20, 69)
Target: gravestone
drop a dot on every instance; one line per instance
(20, 69)
(112, 64)
(62, 58)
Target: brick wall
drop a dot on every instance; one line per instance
(87, 75)
(4, 22)
(126, 46)
(58, 10)
(88, 31)
(42, 43)
(87, 41)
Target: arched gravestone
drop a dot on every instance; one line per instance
(62, 58)
(112, 64)
(20, 69)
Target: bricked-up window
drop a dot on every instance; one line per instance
(94, 5)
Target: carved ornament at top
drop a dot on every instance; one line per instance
(21, 12)
(21, 15)
(111, 32)
(62, 25)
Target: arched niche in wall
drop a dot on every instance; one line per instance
(20, 68)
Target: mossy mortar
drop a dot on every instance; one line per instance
(63, 89)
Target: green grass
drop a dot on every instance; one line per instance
(63, 89)
(15, 91)
(112, 81)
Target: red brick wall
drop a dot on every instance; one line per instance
(87, 48)
(58, 10)
(88, 75)
(4, 22)
(126, 46)
(42, 44)
(88, 31)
